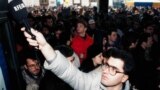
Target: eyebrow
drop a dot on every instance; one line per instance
(114, 67)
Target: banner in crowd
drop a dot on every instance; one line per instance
(143, 3)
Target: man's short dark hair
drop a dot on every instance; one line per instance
(82, 21)
(125, 57)
(29, 55)
(109, 32)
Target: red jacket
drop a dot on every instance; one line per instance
(80, 45)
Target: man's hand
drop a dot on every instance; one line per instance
(39, 41)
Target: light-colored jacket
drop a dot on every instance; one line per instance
(76, 61)
(73, 76)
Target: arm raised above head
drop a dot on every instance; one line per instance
(61, 67)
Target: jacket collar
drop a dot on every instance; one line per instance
(126, 87)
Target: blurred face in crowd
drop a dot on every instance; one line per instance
(149, 29)
(58, 33)
(81, 29)
(45, 31)
(49, 22)
(98, 59)
(92, 26)
(33, 66)
(113, 72)
(136, 12)
(113, 36)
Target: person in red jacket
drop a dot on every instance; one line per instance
(81, 41)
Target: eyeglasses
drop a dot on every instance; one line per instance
(111, 69)
(34, 65)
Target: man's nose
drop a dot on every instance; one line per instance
(106, 70)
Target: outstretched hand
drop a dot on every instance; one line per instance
(39, 42)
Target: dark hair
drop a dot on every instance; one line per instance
(30, 16)
(65, 50)
(49, 17)
(82, 21)
(125, 57)
(109, 32)
(88, 65)
(29, 55)
(128, 39)
(94, 50)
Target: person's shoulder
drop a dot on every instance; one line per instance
(76, 38)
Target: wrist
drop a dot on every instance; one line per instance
(44, 46)
(48, 52)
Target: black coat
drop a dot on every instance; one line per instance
(52, 82)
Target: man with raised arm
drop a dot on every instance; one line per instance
(112, 75)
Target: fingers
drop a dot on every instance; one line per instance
(32, 42)
(36, 47)
(34, 32)
(23, 29)
(27, 35)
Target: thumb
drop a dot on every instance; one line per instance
(23, 29)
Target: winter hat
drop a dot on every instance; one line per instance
(93, 50)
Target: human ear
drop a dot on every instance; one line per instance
(85, 29)
(125, 78)
(25, 66)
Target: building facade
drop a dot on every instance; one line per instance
(53, 3)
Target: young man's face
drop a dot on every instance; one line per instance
(149, 29)
(113, 36)
(80, 28)
(109, 78)
(49, 22)
(33, 66)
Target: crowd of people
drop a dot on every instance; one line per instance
(83, 49)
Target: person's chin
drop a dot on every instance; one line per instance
(36, 73)
(103, 82)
